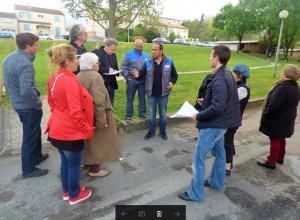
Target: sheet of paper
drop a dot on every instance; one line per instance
(113, 73)
(186, 111)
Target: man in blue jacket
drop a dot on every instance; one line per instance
(19, 81)
(160, 75)
(221, 110)
(132, 63)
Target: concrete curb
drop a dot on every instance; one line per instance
(137, 124)
(5, 147)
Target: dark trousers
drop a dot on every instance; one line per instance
(229, 144)
(32, 143)
(111, 93)
(277, 150)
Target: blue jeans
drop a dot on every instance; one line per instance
(111, 93)
(209, 139)
(130, 93)
(70, 171)
(162, 106)
(32, 144)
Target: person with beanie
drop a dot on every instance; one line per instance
(240, 73)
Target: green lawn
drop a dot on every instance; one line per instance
(186, 58)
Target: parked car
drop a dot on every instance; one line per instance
(207, 44)
(45, 36)
(66, 37)
(7, 35)
(194, 43)
(161, 40)
(180, 41)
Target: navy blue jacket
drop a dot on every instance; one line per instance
(221, 106)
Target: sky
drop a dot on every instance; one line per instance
(178, 9)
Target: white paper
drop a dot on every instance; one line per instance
(115, 72)
(186, 111)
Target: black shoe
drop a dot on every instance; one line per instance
(41, 159)
(128, 118)
(35, 173)
(228, 172)
(143, 117)
(206, 183)
(280, 161)
(266, 164)
(184, 196)
(149, 135)
(163, 135)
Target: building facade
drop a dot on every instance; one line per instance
(35, 20)
(8, 22)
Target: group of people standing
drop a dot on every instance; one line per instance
(81, 99)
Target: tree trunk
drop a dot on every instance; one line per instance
(112, 29)
(239, 44)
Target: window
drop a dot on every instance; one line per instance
(57, 18)
(57, 31)
(40, 16)
(26, 27)
(7, 20)
(25, 15)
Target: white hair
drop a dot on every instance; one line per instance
(87, 61)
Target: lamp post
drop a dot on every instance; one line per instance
(282, 15)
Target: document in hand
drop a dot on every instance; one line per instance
(113, 73)
(186, 111)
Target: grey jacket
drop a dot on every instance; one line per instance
(19, 80)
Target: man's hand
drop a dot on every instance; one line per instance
(194, 117)
(135, 73)
(111, 70)
(170, 86)
(200, 101)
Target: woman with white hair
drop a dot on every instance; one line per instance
(104, 147)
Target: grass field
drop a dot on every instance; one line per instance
(186, 58)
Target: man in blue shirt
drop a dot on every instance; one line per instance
(133, 62)
(19, 81)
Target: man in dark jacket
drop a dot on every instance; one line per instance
(78, 37)
(161, 76)
(108, 65)
(221, 110)
(19, 81)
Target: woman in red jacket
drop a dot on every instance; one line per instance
(71, 120)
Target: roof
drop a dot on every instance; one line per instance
(236, 42)
(172, 25)
(8, 15)
(33, 22)
(36, 9)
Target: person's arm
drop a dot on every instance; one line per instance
(50, 99)
(276, 100)
(73, 98)
(174, 75)
(98, 92)
(27, 87)
(218, 102)
(117, 67)
(125, 67)
(142, 72)
(102, 59)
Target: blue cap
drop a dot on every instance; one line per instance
(242, 69)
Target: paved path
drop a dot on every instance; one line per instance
(154, 171)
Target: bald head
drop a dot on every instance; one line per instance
(138, 45)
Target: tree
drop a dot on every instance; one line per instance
(151, 33)
(172, 36)
(266, 19)
(111, 14)
(235, 20)
(194, 28)
(291, 32)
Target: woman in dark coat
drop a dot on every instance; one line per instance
(279, 114)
